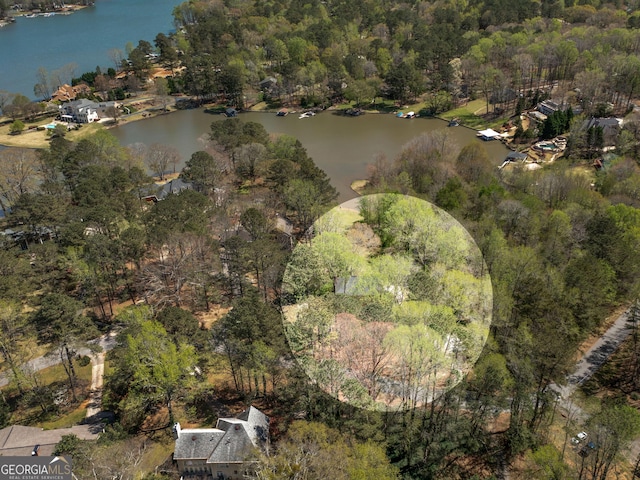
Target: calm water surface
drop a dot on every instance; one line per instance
(83, 37)
(341, 146)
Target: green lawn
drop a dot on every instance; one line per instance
(56, 378)
(69, 420)
(467, 114)
(470, 116)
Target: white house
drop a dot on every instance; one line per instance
(79, 111)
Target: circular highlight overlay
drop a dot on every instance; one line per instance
(388, 305)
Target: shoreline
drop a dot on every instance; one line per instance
(67, 10)
(149, 109)
(42, 141)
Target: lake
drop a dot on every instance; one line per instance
(84, 37)
(342, 146)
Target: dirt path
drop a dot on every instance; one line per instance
(97, 376)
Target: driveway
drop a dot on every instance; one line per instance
(107, 342)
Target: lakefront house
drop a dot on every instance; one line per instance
(86, 111)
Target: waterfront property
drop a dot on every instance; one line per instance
(516, 157)
(79, 111)
(223, 452)
(176, 186)
(488, 134)
(86, 111)
(67, 93)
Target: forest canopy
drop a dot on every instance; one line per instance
(392, 302)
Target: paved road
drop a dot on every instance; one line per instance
(597, 355)
(588, 365)
(107, 342)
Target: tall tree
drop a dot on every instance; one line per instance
(20, 175)
(160, 157)
(62, 325)
(149, 369)
(203, 171)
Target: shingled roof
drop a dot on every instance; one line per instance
(20, 440)
(230, 442)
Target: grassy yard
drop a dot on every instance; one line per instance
(29, 413)
(472, 115)
(33, 138)
(468, 114)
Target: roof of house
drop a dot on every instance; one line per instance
(20, 440)
(609, 122)
(80, 104)
(516, 156)
(550, 104)
(176, 185)
(268, 80)
(489, 133)
(64, 92)
(234, 446)
(196, 443)
(230, 442)
(67, 92)
(344, 285)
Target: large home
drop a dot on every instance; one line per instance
(611, 128)
(223, 452)
(548, 107)
(86, 111)
(79, 111)
(66, 93)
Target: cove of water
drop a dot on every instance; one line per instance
(84, 38)
(341, 146)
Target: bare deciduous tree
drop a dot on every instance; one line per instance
(20, 174)
(160, 157)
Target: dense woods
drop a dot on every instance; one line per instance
(319, 53)
(192, 281)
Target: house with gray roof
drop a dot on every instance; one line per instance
(20, 440)
(79, 111)
(223, 452)
(160, 192)
(611, 128)
(86, 111)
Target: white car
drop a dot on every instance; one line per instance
(582, 435)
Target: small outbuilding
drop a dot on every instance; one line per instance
(488, 134)
(516, 156)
